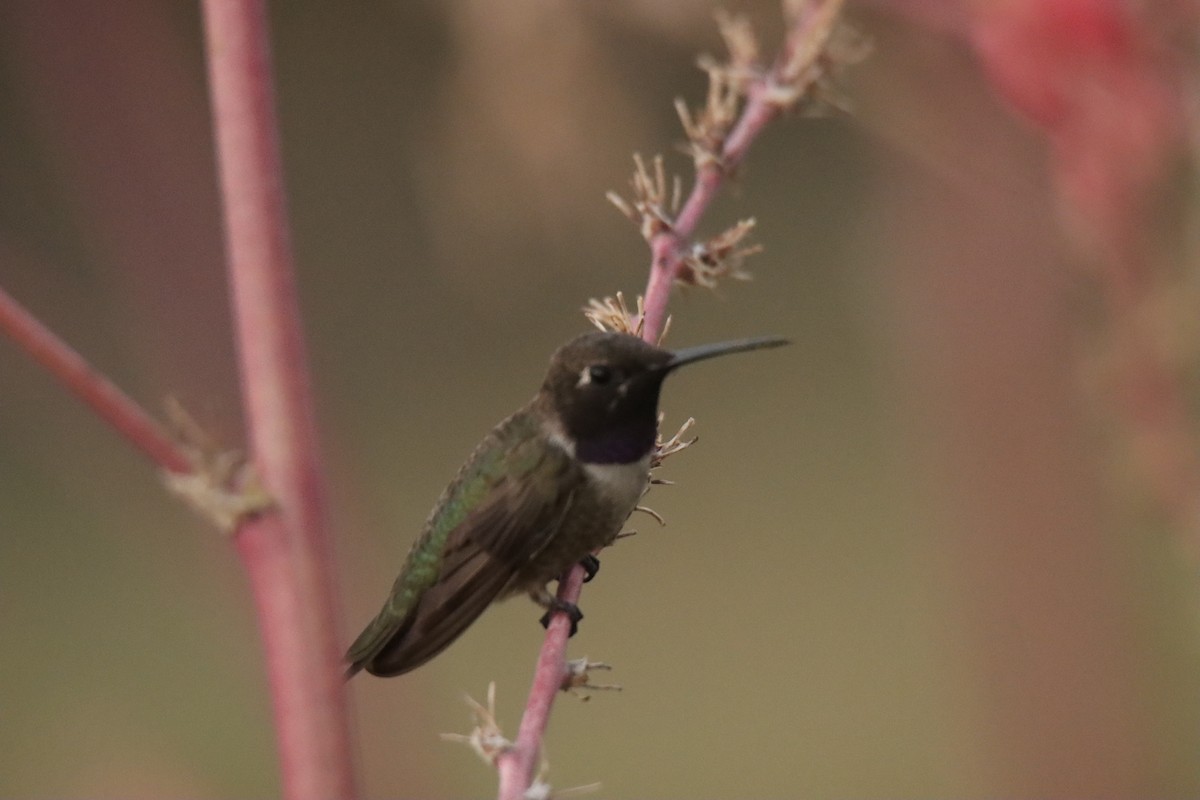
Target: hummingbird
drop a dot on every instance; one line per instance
(544, 489)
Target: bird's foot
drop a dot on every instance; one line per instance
(570, 609)
(591, 565)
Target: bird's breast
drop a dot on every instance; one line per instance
(619, 484)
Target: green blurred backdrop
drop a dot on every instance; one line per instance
(900, 562)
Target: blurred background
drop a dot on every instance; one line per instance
(945, 545)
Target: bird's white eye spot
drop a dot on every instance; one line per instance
(595, 375)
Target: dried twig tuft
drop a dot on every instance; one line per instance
(728, 83)
(742, 44)
(578, 680)
(662, 451)
(707, 128)
(651, 210)
(720, 257)
(611, 314)
(486, 739)
(222, 486)
(665, 449)
(818, 48)
(540, 789)
(652, 513)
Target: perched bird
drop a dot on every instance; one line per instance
(548, 486)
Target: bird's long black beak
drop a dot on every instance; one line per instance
(689, 355)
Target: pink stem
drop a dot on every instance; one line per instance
(287, 554)
(110, 403)
(516, 765)
(668, 248)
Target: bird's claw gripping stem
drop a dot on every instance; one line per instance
(570, 609)
(591, 565)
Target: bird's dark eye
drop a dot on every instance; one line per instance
(600, 374)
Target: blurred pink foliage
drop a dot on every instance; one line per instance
(1108, 85)
(1100, 79)
(1105, 81)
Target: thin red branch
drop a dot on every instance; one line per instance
(82, 380)
(516, 766)
(288, 553)
(668, 248)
